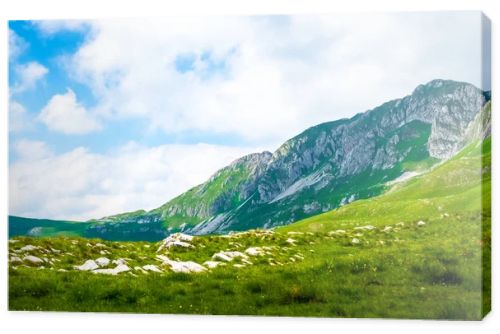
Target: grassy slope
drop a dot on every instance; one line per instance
(432, 271)
(45, 227)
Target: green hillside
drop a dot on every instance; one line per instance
(45, 227)
(416, 251)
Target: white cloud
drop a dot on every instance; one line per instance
(51, 27)
(280, 74)
(17, 45)
(31, 150)
(18, 117)
(64, 114)
(82, 185)
(27, 76)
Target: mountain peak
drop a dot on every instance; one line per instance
(330, 164)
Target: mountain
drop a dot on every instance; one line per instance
(422, 249)
(323, 168)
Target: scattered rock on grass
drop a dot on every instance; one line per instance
(366, 228)
(119, 262)
(15, 259)
(29, 248)
(176, 240)
(228, 256)
(102, 261)
(421, 223)
(151, 267)
(213, 264)
(337, 232)
(182, 266)
(115, 271)
(255, 251)
(88, 265)
(33, 259)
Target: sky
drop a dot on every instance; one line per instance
(109, 116)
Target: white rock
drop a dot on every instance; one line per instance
(387, 229)
(121, 268)
(162, 258)
(13, 241)
(337, 232)
(355, 241)
(15, 259)
(221, 256)
(295, 233)
(421, 223)
(88, 265)
(400, 224)
(213, 264)
(184, 267)
(228, 256)
(176, 240)
(367, 227)
(119, 262)
(115, 271)
(102, 261)
(29, 248)
(33, 259)
(254, 251)
(291, 241)
(151, 267)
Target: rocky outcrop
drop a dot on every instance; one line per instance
(328, 165)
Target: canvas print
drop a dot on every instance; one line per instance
(308, 166)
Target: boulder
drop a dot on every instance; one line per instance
(255, 251)
(176, 240)
(33, 259)
(355, 241)
(88, 265)
(15, 259)
(184, 266)
(421, 223)
(213, 264)
(102, 261)
(228, 256)
(29, 248)
(119, 262)
(115, 271)
(365, 228)
(151, 267)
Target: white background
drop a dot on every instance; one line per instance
(19, 322)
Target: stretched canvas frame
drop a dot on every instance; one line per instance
(385, 213)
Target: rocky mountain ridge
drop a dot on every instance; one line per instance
(324, 167)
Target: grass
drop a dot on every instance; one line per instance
(440, 270)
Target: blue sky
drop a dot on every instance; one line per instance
(109, 116)
(51, 52)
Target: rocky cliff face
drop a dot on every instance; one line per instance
(330, 164)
